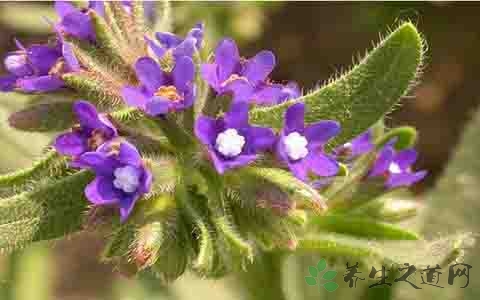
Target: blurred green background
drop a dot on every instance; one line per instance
(312, 41)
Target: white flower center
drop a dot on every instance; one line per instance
(13, 62)
(296, 146)
(126, 179)
(394, 168)
(230, 143)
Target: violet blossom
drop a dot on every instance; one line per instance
(359, 145)
(268, 93)
(76, 21)
(121, 176)
(38, 68)
(300, 147)
(161, 92)
(175, 45)
(93, 130)
(396, 167)
(230, 140)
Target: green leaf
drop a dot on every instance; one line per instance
(419, 253)
(44, 117)
(49, 211)
(321, 265)
(313, 271)
(330, 286)
(329, 275)
(48, 166)
(310, 280)
(364, 95)
(360, 227)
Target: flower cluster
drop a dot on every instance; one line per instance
(166, 83)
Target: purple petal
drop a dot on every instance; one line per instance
(210, 75)
(222, 165)
(383, 161)
(158, 106)
(16, 63)
(227, 58)
(206, 130)
(98, 7)
(134, 97)
(101, 191)
(64, 8)
(78, 25)
(361, 144)
(185, 48)
(7, 83)
(126, 205)
(197, 33)
(146, 181)
(259, 67)
(158, 50)
(260, 139)
(242, 90)
(290, 91)
(319, 133)
(322, 165)
(183, 73)
(71, 144)
(86, 113)
(168, 40)
(405, 158)
(237, 117)
(70, 58)
(149, 73)
(299, 168)
(46, 83)
(100, 163)
(42, 58)
(129, 155)
(268, 94)
(404, 179)
(294, 119)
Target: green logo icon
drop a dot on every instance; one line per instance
(315, 271)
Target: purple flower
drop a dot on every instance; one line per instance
(75, 21)
(162, 92)
(231, 74)
(178, 47)
(94, 130)
(396, 167)
(121, 176)
(267, 94)
(361, 144)
(231, 142)
(300, 146)
(38, 67)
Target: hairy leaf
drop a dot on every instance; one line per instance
(48, 212)
(364, 95)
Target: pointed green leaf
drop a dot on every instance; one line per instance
(44, 117)
(360, 227)
(310, 280)
(364, 95)
(330, 286)
(49, 165)
(321, 265)
(329, 275)
(419, 253)
(313, 271)
(49, 211)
